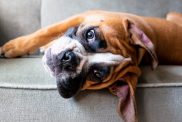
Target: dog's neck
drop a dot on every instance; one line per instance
(163, 36)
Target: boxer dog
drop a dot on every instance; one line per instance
(100, 49)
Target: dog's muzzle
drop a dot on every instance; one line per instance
(63, 60)
(64, 66)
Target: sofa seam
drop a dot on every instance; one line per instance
(53, 87)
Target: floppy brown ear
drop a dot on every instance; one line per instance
(127, 105)
(139, 38)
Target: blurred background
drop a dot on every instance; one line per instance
(20, 17)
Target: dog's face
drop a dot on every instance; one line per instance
(93, 52)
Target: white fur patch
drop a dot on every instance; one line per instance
(107, 58)
(66, 43)
(44, 60)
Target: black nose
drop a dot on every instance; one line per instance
(66, 56)
(69, 60)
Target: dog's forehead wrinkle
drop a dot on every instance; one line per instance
(59, 44)
(82, 64)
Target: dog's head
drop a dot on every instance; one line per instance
(96, 53)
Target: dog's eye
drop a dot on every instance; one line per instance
(90, 35)
(97, 74)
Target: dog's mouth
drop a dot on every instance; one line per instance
(68, 87)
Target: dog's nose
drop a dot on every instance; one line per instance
(67, 56)
(68, 60)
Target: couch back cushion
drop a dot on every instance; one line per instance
(18, 17)
(57, 10)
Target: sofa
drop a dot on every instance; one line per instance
(28, 93)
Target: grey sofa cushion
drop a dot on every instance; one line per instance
(21, 105)
(170, 74)
(25, 73)
(159, 104)
(28, 72)
(56, 10)
(28, 93)
(18, 17)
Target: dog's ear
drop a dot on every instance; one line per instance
(127, 105)
(139, 38)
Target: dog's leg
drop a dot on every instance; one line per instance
(175, 17)
(28, 44)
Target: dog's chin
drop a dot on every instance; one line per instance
(65, 92)
(69, 87)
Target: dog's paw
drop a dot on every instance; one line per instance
(15, 48)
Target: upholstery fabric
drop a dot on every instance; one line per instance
(18, 17)
(24, 72)
(19, 105)
(28, 94)
(55, 10)
(22, 105)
